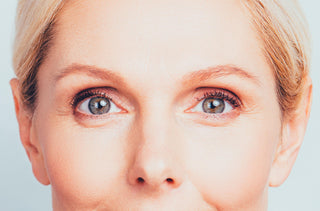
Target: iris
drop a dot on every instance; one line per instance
(99, 105)
(213, 105)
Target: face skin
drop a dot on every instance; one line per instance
(156, 148)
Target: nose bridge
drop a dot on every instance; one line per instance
(156, 160)
(156, 116)
(156, 120)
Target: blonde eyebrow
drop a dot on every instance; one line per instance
(92, 71)
(216, 72)
(189, 79)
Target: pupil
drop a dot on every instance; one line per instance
(213, 105)
(99, 105)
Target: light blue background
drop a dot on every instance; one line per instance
(19, 190)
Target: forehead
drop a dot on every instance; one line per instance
(144, 37)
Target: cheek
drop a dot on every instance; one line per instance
(230, 165)
(83, 164)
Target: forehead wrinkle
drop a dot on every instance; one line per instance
(217, 72)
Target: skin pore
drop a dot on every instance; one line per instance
(152, 65)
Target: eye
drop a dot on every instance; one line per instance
(96, 101)
(216, 102)
(98, 106)
(215, 105)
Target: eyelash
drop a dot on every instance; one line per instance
(88, 93)
(222, 95)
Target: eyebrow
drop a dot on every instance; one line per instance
(217, 72)
(187, 80)
(91, 71)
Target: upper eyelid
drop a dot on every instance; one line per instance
(198, 95)
(215, 92)
(90, 93)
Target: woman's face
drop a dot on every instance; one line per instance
(157, 105)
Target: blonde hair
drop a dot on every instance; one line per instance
(35, 22)
(280, 26)
(285, 38)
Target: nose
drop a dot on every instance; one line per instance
(154, 170)
(156, 163)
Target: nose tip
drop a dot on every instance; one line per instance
(155, 173)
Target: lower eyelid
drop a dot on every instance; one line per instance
(214, 120)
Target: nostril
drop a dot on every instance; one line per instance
(140, 180)
(169, 180)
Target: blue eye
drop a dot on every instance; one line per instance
(213, 106)
(216, 102)
(98, 106)
(216, 106)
